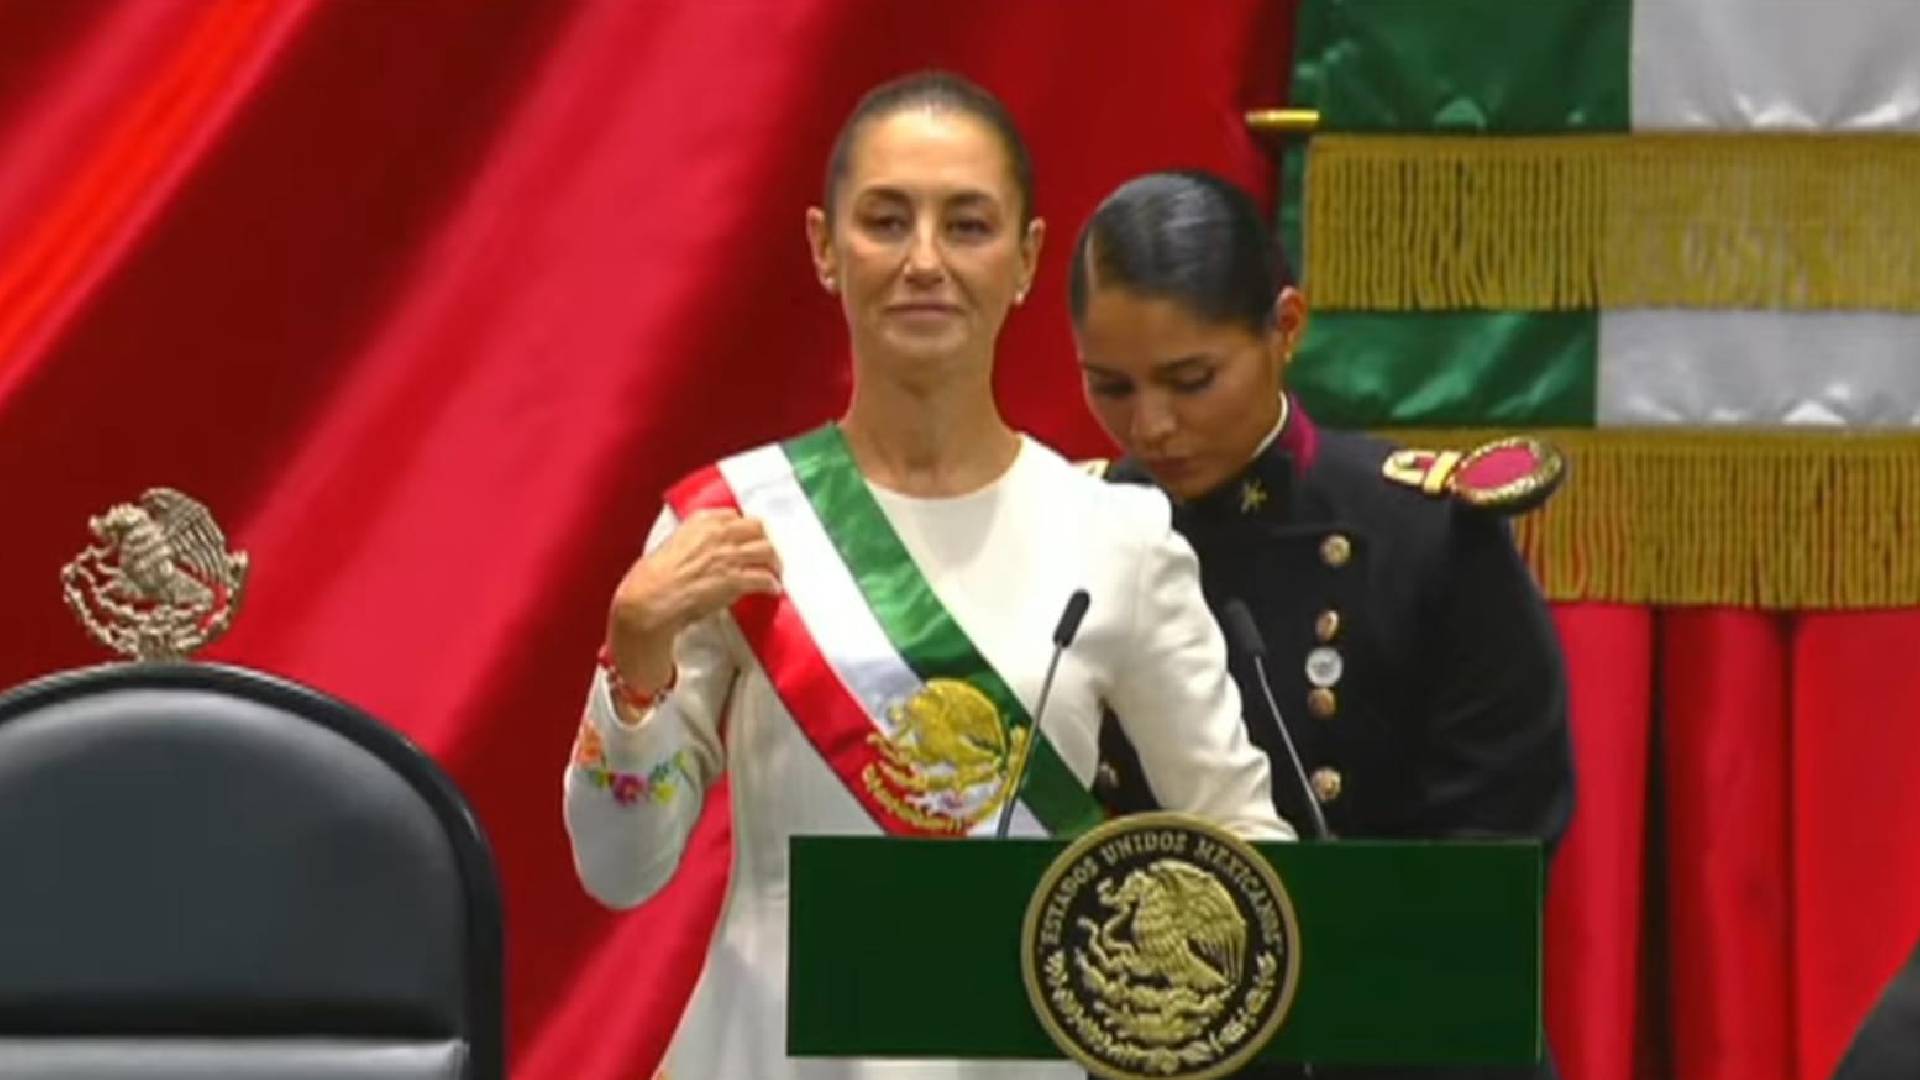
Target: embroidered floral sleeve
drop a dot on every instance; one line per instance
(659, 784)
(634, 785)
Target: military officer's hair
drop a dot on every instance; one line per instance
(938, 90)
(1186, 236)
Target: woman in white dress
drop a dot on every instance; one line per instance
(854, 624)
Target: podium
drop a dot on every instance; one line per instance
(1407, 953)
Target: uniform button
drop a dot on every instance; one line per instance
(1321, 703)
(1326, 784)
(1107, 777)
(1326, 626)
(1324, 666)
(1336, 550)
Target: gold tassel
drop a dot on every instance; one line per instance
(1574, 222)
(1789, 520)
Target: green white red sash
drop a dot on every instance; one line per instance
(869, 662)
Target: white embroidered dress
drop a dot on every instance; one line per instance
(1002, 561)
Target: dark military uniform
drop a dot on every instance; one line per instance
(1408, 647)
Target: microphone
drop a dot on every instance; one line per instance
(1246, 638)
(1063, 633)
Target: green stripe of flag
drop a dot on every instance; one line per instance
(1487, 67)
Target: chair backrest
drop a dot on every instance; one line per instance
(206, 871)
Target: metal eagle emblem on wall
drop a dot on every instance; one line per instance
(159, 582)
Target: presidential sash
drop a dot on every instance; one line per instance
(877, 673)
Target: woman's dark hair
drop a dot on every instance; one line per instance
(1186, 236)
(936, 90)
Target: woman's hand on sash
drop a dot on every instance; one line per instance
(714, 558)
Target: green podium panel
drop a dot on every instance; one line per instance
(1410, 953)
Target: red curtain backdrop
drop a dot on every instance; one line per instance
(429, 299)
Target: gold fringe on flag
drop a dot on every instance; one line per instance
(1574, 222)
(1789, 520)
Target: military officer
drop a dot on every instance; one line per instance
(1412, 657)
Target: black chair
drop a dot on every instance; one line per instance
(207, 872)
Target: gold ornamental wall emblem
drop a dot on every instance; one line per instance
(947, 759)
(1159, 945)
(158, 583)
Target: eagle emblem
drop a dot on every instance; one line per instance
(947, 759)
(1159, 945)
(158, 583)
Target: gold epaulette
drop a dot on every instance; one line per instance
(1506, 476)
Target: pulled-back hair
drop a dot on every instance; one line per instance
(1186, 236)
(940, 90)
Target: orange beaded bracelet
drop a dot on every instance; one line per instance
(627, 695)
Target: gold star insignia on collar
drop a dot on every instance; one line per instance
(1253, 495)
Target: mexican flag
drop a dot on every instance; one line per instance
(1686, 233)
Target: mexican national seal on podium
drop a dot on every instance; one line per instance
(1159, 945)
